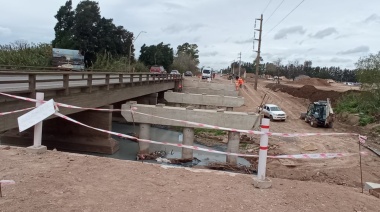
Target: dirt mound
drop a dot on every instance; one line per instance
(312, 81)
(308, 92)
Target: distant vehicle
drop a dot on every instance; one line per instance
(273, 112)
(206, 73)
(319, 114)
(157, 69)
(188, 74)
(174, 72)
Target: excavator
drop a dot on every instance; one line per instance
(319, 114)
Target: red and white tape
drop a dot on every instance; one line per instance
(15, 111)
(298, 156)
(7, 182)
(195, 123)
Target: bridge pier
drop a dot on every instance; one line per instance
(188, 139)
(233, 146)
(144, 134)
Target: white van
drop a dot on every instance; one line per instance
(206, 72)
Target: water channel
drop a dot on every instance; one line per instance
(128, 149)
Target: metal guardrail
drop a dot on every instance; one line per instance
(61, 80)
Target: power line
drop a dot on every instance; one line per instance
(266, 7)
(285, 17)
(274, 11)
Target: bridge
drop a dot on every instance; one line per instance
(83, 89)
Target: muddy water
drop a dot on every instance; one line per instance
(128, 149)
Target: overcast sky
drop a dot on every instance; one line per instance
(328, 32)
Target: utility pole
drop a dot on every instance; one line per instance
(258, 51)
(239, 63)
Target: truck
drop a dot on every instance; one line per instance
(206, 72)
(319, 114)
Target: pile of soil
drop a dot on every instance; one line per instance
(312, 81)
(308, 92)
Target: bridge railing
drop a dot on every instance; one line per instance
(30, 82)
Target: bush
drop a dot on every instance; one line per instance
(21, 53)
(211, 131)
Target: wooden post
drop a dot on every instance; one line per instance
(66, 87)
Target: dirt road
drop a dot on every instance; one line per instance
(57, 181)
(341, 171)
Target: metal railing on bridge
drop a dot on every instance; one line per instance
(26, 81)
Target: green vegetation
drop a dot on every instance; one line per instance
(210, 131)
(21, 53)
(367, 102)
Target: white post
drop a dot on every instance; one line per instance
(263, 150)
(38, 126)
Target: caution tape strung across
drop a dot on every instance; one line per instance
(298, 156)
(15, 111)
(194, 123)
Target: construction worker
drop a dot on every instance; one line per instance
(237, 83)
(240, 81)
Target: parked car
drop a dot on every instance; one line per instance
(188, 74)
(273, 112)
(157, 69)
(174, 72)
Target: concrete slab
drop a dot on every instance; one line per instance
(369, 186)
(229, 119)
(262, 184)
(209, 91)
(208, 85)
(36, 150)
(202, 99)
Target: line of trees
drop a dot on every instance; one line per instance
(295, 68)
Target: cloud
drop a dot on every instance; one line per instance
(5, 31)
(372, 18)
(171, 5)
(210, 54)
(249, 40)
(176, 28)
(283, 33)
(340, 60)
(324, 33)
(355, 50)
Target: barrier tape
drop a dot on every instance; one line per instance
(15, 111)
(196, 123)
(298, 156)
(7, 182)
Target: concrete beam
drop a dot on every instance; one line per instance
(208, 85)
(209, 91)
(229, 119)
(201, 99)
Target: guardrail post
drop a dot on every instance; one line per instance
(89, 83)
(32, 84)
(131, 79)
(140, 79)
(261, 181)
(66, 87)
(147, 79)
(121, 80)
(108, 81)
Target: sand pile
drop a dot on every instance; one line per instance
(312, 81)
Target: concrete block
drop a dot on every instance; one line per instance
(204, 99)
(208, 85)
(262, 184)
(209, 91)
(36, 150)
(229, 119)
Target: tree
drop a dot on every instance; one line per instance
(63, 28)
(277, 63)
(160, 54)
(184, 62)
(190, 49)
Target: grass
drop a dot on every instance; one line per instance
(210, 131)
(366, 106)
